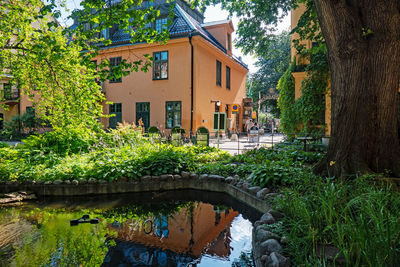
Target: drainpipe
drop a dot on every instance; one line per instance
(191, 85)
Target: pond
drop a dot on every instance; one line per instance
(172, 228)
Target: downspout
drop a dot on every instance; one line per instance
(191, 85)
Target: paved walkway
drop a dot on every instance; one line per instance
(243, 144)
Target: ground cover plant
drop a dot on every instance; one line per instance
(82, 154)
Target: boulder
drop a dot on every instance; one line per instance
(67, 182)
(276, 259)
(164, 177)
(82, 181)
(75, 182)
(276, 214)
(194, 176)
(48, 182)
(254, 189)
(57, 182)
(262, 193)
(263, 234)
(269, 246)
(203, 177)
(267, 218)
(216, 177)
(185, 175)
(229, 180)
(177, 177)
(92, 180)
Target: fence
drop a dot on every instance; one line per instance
(240, 142)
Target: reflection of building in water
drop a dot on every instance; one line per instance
(194, 230)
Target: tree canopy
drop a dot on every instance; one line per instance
(53, 65)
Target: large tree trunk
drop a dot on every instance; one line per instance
(363, 41)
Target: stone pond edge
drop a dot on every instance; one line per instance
(266, 245)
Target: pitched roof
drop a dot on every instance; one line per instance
(182, 26)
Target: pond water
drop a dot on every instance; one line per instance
(185, 228)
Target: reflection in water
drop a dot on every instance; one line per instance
(185, 234)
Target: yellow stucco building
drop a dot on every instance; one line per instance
(299, 74)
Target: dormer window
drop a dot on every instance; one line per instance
(229, 41)
(161, 24)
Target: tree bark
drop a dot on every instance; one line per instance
(363, 41)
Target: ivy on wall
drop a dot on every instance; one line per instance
(286, 101)
(307, 113)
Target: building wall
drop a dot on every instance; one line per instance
(300, 76)
(206, 88)
(140, 86)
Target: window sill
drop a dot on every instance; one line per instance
(160, 79)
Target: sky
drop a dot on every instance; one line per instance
(212, 13)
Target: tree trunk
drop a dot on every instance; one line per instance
(363, 41)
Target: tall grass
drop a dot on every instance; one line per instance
(361, 218)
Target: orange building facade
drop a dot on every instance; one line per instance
(193, 75)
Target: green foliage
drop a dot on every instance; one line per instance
(286, 101)
(80, 153)
(46, 61)
(271, 66)
(153, 129)
(21, 125)
(358, 217)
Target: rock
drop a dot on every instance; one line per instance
(67, 182)
(236, 177)
(276, 214)
(155, 177)
(262, 235)
(229, 180)
(177, 177)
(48, 182)
(267, 218)
(82, 181)
(57, 182)
(254, 189)
(284, 240)
(146, 178)
(249, 180)
(258, 223)
(75, 182)
(262, 193)
(164, 177)
(246, 186)
(216, 177)
(39, 182)
(269, 246)
(270, 196)
(239, 184)
(203, 177)
(276, 259)
(264, 258)
(194, 176)
(185, 175)
(92, 180)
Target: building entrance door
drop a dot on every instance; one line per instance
(115, 109)
(143, 112)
